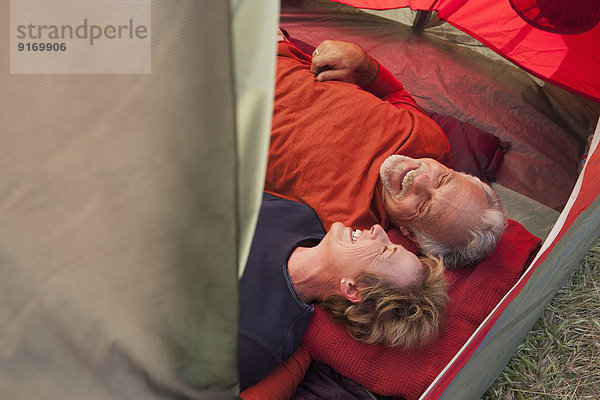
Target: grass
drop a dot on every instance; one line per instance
(560, 358)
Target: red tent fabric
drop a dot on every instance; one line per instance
(571, 61)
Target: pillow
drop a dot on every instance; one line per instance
(473, 294)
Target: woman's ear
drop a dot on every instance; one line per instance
(349, 290)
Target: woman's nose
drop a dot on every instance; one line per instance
(377, 232)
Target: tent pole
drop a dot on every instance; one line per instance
(421, 20)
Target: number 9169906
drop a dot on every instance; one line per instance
(49, 46)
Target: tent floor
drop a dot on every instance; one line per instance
(534, 216)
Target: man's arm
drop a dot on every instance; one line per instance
(388, 88)
(337, 60)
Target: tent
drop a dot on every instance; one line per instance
(127, 201)
(122, 219)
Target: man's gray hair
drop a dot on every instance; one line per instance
(483, 235)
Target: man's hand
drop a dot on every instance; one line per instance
(334, 59)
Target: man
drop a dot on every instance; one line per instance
(331, 143)
(381, 292)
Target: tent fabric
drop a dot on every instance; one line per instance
(254, 70)
(119, 226)
(571, 61)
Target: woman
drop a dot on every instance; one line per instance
(380, 291)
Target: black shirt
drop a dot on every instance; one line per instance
(273, 319)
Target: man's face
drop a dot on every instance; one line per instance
(422, 194)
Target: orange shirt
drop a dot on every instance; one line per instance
(329, 139)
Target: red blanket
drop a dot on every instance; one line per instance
(473, 294)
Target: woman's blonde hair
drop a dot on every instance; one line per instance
(393, 316)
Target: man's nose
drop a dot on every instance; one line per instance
(422, 184)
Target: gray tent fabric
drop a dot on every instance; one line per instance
(254, 65)
(119, 221)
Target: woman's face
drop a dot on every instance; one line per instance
(370, 251)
